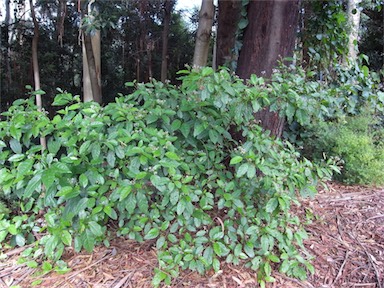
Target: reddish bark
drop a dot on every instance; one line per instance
(269, 37)
(229, 15)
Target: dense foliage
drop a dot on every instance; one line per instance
(358, 141)
(161, 163)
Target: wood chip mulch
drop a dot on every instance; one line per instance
(345, 225)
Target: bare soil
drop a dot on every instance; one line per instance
(346, 228)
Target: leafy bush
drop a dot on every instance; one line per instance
(185, 166)
(358, 142)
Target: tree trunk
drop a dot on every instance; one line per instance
(165, 36)
(203, 36)
(35, 63)
(8, 74)
(353, 13)
(91, 62)
(269, 37)
(228, 18)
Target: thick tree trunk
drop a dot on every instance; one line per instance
(228, 18)
(165, 36)
(35, 63)
(269, 37)
(353, 13)
(203, 36)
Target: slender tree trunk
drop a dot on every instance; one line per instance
(269, 37)
(35, 62)
(165, 36)
(353, 13)
(91, 62)
(228, 18)
(7, 46)
(203, 36)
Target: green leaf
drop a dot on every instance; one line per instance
(111, 158)
(243, 23)
(172, 155)
(24, 167)
(198, 129)
(251, 172)
(217, 248)
(214, 136)
(272, 205)
(66, 238)
(180, 207)
(20, 240)
(110, 212)
(152, 234)
(88, 240)
(208, 255)
(83, 180)
(160, 242)
(95, 228)
(16, 158)
(158, 278)
(48, 177)
(15, 146)
(32, 186)
(242, 170)
(185, 129)
(216, 265)
(176, 124)
(267, 269)
(235, 160)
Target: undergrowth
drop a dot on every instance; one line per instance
(163, 165)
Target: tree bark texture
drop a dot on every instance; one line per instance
(35, 63)
(269, 37)
(203, 37)
(353, 13)
(165, 36)
(91, 62)
(228, 18)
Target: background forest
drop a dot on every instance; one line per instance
(197, 130)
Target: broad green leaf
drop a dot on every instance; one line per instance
(208, 255)
(198, 129)
(66, 238)
(242, 170)
(272, 205)
(111, 158)
(110, 212)
(176, 124)
(95, 228)
(25, 167)
(15, 146)
(48, 177)
(251, 172)
(235, 160)
(16, 158)
(32, 186)
(152, 234)
(172, 155)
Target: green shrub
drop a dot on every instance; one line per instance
(163, 165)
(358, 142)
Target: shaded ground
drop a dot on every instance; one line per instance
(346, 238)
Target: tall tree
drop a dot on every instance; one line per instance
(35, 62)
(229, 15)
(269, 37)
(164, 54)
(203, 35)
(91, 55)
(353, 13)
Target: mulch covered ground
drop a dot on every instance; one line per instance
(346, 238)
